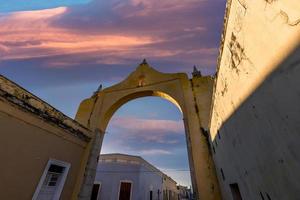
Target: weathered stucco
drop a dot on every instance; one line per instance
(32, 132)
(96, 112)
(255, 117)
(26, 101)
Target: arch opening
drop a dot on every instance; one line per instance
(97, 111)
(157, 136)
(148, 93)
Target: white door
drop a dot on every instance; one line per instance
(49, 187)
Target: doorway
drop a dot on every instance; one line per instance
(125, 191)
(96, 191)
(236, 194)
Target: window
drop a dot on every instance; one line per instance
(125, 190)
(262, 196)
(222, 173)
(213, 148)
(52, 180)
(96, 191)
(269, 198)
(235, 191)
(219, 136)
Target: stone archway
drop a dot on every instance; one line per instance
(96, 112)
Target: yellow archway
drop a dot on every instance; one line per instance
(96, 112)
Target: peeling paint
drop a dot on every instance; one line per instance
(287, 19)
(282, 12)
(270, 1)
(237, 53)
(243, 4)
(18, 96)
(225, 89)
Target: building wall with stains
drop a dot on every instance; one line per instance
(32, 132)
(202, 87)
(255, 117)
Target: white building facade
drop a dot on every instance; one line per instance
(126, 177)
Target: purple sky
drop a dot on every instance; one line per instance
(62, 51)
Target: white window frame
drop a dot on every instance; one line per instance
(62, 181)
(125, 181)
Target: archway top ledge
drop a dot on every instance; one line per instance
(145, 75)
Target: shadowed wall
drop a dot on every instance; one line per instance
(255, 119)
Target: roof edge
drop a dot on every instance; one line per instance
(140, 158)
(25, 100)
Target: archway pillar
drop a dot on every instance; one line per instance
(91, 166)
(196, 113)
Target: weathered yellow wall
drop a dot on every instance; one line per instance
(203, 89)
(30, 136)
(256, 100)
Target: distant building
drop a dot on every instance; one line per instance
(170, 191)
(127, 177)
(184, 193)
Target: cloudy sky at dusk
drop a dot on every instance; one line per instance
(61, 50)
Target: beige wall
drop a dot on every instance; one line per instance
(27, 143)
(256, 100)
(170, 185)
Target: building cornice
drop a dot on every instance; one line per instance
(26, 101)
(135, 158)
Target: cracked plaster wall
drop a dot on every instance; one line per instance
(255, 117)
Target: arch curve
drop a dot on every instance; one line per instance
(147, 93)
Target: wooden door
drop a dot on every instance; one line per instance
(125, 191)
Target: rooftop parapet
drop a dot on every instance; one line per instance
(20, 97)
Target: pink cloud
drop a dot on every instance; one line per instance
(3, 48)
(111, 37)
(31, 34)
(127, 30)
(149, 130)
(18, 40)
(147, 7)
(149, 125)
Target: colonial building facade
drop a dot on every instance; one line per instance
(128, 177)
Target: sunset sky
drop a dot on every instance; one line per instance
(61, 50)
